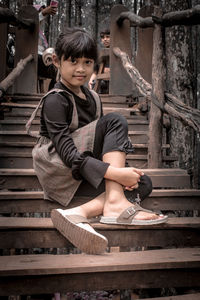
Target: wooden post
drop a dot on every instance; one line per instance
(143, 61)
(4, 37)
(158, 81)
(120, 82)
(27, 43)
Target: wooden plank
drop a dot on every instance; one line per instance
(113, 262)
(156, 193)
(48, 284)
(26, 43)
(120, 82)
(18, 105)
(32, 201)
(195, 296)
(25, 112)
(17, 159)
(46, 223)
(26, 178)
(4, 37)
(155, 268)
(143, 61)
(39, 232)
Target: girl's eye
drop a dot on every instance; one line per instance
(89, 62)
(73, 61)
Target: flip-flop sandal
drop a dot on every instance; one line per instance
(127, 217)
(78, 231)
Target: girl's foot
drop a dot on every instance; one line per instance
(77, 230)
(135, 215)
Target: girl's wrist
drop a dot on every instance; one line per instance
(111, 173)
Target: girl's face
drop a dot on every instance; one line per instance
(74, 72)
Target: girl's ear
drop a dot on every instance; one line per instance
(55, 60)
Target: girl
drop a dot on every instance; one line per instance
(82, 152)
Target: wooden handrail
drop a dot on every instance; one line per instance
(9, 80)
(184, 17)
(173, 106)
(8, 16)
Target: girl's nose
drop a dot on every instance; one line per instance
(80, 68)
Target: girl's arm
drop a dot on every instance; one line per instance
(56, 111)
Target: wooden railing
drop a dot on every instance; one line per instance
(161, 101)
(25, 28)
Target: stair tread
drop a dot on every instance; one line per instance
(10, 195)
(81, 263)
(31, 144)
(161, 171)
(46, 223)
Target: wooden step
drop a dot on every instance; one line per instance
(21, 232)
(26, 178)
(18, 159)
(19, 124)
(195, 296)
(18, 109)
(160, 199)
(105, 99)
(137, 137)
(31, 274)
(9, 149)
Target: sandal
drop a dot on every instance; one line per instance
(127, 217)
(78, 231)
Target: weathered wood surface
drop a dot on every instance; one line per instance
(171, 105)
(120, 83)
(19, 109)
(165, 200)
(16, 232)
(8, 16)
(184, 17)
(3, 50)
(26, 178)
(27, 43)
(143, 60)
(153, 268)
(195, 296)
(16, 72)
(17, 159)
(158, 88)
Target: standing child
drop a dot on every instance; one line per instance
(82, 152)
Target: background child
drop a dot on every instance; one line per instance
(90, 148)
(104, 84)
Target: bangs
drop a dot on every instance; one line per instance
(78, 45)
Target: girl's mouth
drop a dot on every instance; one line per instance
(80, 77)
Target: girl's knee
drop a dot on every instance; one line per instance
(117, 119)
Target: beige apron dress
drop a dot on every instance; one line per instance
(54, 176)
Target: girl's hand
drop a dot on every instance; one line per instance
(127, 177)
(131, 188)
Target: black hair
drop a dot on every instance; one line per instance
(75, 43)
(41, 7)
(105, 32)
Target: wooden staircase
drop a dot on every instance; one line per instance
(173, 248)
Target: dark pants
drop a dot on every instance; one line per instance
(47, 72)
(112, 135)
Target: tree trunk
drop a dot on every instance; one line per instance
(180, 83)
(68, 13)
(96, 19)
(158, 88)
(196, 59)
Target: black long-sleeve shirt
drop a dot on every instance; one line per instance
(56, 117)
